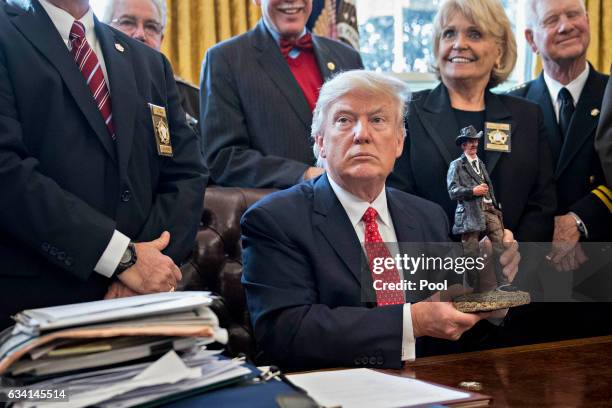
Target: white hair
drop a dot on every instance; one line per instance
(531, 12)
(372, 83)
(162, 9)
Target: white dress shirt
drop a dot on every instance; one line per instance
(62, 20)
(355, 208)
(575, 88)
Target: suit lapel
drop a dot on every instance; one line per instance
(538, 92)
(470, 170)
(324, 58)
(441, 132)
(37, 27)
(496, 112)
(333, 222)
(583, 124)
(274, 65)
(122, 89)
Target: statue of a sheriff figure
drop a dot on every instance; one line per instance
(478, 213)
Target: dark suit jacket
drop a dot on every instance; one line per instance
(577, 166)
(66, 186)
(303, 278)
(522, 178)
(255, 119)
(603, 139)
(461, 180)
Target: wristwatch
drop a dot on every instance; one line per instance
(127, 260)
(580, 225)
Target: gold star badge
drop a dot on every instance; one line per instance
(331, 66)
(119, 47)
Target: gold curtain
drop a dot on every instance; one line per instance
(193, 26)
(600, 48)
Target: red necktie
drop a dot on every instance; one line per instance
(303, 43)
(376, 248)
(89, 65)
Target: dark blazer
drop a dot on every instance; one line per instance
(255, 119)
(303, 278)
(522, 178)
(603, 139)
(66, 186)
(461, 180)
(577, 166)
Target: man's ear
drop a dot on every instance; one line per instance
(529, 38)
(319, 141)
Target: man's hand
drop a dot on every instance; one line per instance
(509, 259)
(119, 290)
(153, 271)
(566, 253)
(313, 172)
(480, 190)
(434, 318)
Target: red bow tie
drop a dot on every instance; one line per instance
(303, 43)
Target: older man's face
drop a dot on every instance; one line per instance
(288, 17)
(361, 139)
(139, 19)
(562, 30)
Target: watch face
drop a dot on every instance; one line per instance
(127, 255)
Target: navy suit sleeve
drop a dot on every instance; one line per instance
(535, 223)
(226, 142)
(292, 328)
(603, 138)
(34, 209)
(179, 197)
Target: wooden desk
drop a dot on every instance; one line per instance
(573, 373)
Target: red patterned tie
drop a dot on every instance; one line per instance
(376, 248)
(89, 65)
(303, 43)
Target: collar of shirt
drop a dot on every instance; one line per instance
(62, 20)
(355, 207)
(294, 53)
(575, 88)
(471, 161)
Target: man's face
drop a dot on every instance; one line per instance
(288, 17)
(139, 19)
(562, 30)
(470, 148)
(361, 139)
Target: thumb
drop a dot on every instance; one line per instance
(162, 242)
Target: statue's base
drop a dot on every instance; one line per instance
(489, 301)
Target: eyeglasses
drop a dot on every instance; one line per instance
(129, 25)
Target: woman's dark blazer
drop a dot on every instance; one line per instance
(523, 178)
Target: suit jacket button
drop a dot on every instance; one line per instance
(126, 195)
(53, 251)
(45, 246)
(372, 360)
(380, 361)
(68, 261)
(364, 360)
(61, 255)
(357, 361)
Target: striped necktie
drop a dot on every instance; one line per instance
(89, 65)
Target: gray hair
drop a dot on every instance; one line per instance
(162, 9)
(531, 12)
(490, 17)
(373, 83)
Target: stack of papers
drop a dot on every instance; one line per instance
(138, 349)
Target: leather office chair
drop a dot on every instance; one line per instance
(216, 264)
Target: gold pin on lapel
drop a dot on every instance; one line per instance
(119, 47)
(331, 66)
(595, 112)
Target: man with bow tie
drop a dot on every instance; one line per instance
(94, 201)
(257, 94)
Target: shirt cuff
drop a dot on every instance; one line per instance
(108, 262)
(408, 341)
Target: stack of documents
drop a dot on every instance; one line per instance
(139, 349)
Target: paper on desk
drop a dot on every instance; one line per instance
(362, 387)
(169, 369)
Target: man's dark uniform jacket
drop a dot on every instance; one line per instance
(461, 180)
(522, 178)
(66, 185)
(303, 276)
(255, 119)
(603, 139)
(578, 170)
